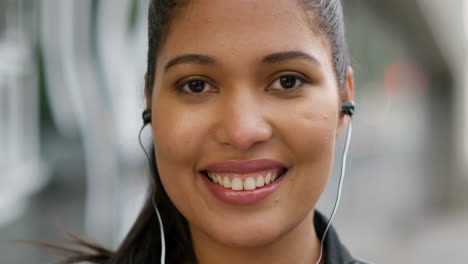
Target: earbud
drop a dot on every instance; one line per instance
(347, 108)
(146, 120)
(146, 116)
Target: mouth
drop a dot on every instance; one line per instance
(245, 181)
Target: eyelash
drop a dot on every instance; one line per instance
(302, 80)
(180, 87)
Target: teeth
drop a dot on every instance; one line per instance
(230, 181)
(212, 177)
(274, 176)
(226, 183)
(249, 184)
(237, 184)
(260, 182)
(268, 178)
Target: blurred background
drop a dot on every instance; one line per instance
(71, 96)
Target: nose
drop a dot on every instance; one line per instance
(244, 123)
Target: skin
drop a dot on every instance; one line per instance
(243, 113)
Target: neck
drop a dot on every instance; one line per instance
(300, 245)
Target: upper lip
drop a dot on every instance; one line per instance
(244, 166)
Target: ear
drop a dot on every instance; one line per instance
(147, 94)
(346, 95)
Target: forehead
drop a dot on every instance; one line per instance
(242, 28)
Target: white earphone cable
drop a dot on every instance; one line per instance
(161, 227)
(163, 240)
(340, 187)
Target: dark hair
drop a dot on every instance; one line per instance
(142, 244)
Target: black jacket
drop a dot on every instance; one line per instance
(334, 251)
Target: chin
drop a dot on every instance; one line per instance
(248, 239)
(252, 235)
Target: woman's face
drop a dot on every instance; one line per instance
(244, 91)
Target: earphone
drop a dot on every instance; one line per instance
(146, 116)
(347, 108)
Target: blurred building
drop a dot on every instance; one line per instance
(22, 170)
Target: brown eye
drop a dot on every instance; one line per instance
(196, 87)
(286, 82)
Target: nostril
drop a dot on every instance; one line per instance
(245, 137)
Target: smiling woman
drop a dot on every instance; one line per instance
(244, 99)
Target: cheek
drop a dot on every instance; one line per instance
(309, 131)
(317, 144)
(316, 149)
(177, 135)
(176, 140)
(310, 139)
(180, 136)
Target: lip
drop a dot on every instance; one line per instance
(244, 166)
(242, 197)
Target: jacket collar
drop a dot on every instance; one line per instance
(334, 251)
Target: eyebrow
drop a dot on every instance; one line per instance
(289, 55)
(270, 59)
(191, 58)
